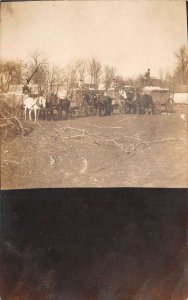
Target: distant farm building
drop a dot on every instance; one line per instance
(181, 94)
(155, 81)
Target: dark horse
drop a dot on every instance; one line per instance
(63, 105)
(143, 104)
(51, 104)
(129, 102)
(105, 105)
(55, 104)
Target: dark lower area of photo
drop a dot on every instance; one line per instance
(94, 244)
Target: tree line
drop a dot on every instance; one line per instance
(52, 78)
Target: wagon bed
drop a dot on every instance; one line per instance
(162, 98)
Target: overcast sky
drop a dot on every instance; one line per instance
(129, 35)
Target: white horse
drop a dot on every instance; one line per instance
(34, 104)
(123, 94)
(121, 101)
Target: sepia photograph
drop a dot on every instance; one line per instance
(93, 131)
(93, 94)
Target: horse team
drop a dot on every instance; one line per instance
(52, 107)
(130, 102)
(46, 107)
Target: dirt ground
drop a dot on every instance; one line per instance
(112, 151)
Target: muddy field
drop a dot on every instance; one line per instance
(112, 151)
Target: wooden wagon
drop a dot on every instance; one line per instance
(78, 102)
(162, 98)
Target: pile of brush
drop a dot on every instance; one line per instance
(10, 125)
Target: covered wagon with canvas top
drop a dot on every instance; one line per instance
(162, 98)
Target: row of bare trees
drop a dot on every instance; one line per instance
(51, 78)
(10, 73)
(181, 72)
(90, 71)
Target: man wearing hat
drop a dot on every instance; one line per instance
(147, 77)
(26, 89)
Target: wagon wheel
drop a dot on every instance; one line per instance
(157, 107)
(170, 105)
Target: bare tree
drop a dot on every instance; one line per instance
(71, 75)
(95, 71)
(55, 79)
(140, 81)
(39, 62)
(10, 74)
(169, 81)
(81, 66)
(181, 71)
(109, 75)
